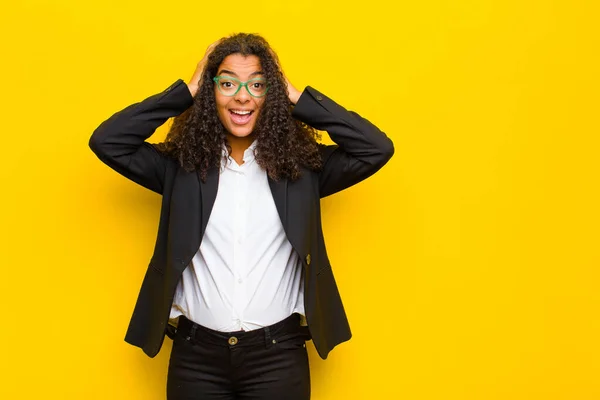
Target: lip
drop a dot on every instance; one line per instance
(250, 116)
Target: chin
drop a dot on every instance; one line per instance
(241, 133)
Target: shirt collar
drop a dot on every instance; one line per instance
(249, 153)
(229, 162)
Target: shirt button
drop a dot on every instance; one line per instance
(240, 280)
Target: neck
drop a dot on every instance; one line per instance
(238, 146)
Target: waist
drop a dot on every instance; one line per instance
(285, 329)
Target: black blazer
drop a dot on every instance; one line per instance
(119, 142)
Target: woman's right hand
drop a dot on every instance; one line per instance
(196, 79)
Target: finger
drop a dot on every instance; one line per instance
(214, 44)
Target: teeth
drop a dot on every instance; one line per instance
(240, 112)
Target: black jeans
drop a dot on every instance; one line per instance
(270, 363)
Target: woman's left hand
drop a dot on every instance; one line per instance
(293, 93)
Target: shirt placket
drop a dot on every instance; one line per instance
(239, 284)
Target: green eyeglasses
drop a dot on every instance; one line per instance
(230, 86)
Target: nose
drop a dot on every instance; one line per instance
(242, 96)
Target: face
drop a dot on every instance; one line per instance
(233, 110)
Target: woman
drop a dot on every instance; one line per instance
(240, 278)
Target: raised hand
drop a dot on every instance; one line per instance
(293, 93)
(196, 79)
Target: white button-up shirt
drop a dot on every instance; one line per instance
(245, 275)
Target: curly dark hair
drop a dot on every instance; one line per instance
(284, 144)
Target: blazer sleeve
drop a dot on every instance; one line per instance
(120, 141)
(361, 149)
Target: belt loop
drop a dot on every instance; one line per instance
(193, 330)
(268, 340)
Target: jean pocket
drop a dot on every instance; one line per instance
(296, 343)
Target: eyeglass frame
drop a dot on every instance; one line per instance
(242, 84)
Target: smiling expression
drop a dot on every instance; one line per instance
(239, 113)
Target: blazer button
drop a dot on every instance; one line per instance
(319, 97)
(308, 259)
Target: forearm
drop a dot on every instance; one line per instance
(120, 141)
(361, 148)
(358, 137)
(126, 130)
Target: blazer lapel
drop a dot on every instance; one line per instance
(184, 219)
(279, 192)
(191, 204)
(208, 192)
(295, 231)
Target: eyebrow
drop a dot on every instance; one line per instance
(224, 71)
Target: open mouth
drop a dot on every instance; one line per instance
(240, 117)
